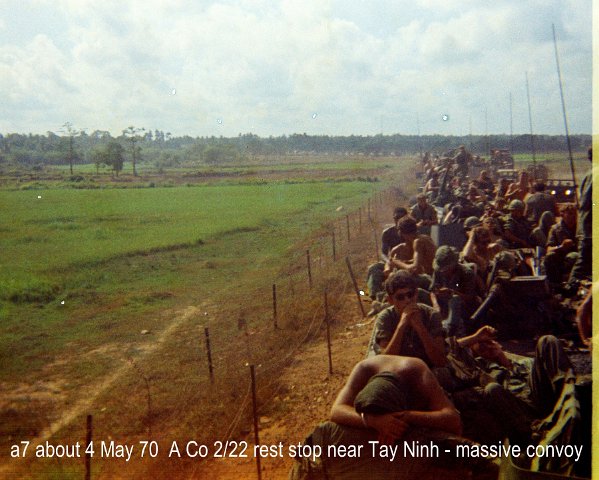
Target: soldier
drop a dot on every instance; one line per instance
(391, 236)
(455, 287)
(424, 214)
(409, 378)
(462, 160)
(520, 189)
(561, 245)
(407, 327)
(416, 252)
(539, 202)
(517, 229)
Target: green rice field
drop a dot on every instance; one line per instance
(42, 231)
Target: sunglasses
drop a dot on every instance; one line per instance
(403, 296)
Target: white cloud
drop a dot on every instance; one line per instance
(266, 67)
(34, 78)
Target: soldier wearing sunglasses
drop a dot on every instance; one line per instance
(408, 328)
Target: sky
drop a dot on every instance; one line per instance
(321, 67)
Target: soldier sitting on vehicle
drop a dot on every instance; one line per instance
(485, 182)
(539, 234)
(517, 229)
(501, 192)
(424, 214)
(539, 202)
(385, 399)
(407, 327)
(480, 251)
(462, 160)
(391, 238)
(431, 189)
(520, 189)
(561, 246)
(517, 389)
(415, 253)
(425, 404)
(454, 285)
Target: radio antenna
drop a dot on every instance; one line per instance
(561, 91)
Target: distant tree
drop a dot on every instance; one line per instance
(111, 154)
(167, 160)
(71, 132)
(214, 155)
(3, 149)
(133, 135)
(100, 134)
(97, 157)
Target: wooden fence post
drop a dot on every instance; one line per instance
(209, 353)
(255, 413)
(309, 268)
(347, 223)
(320, 255)
(376, 243)
(333, 240)
(274, 305)
(353, 279)
(88, 440)
(326, 318)
(360, 218)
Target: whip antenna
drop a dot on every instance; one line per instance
(532, 138)
(511, 127)
(561, 91)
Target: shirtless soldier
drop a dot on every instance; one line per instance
(416, 253)
(426, 403)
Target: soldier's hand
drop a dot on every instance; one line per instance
(389, 427)
(410, 309)
(485, 334)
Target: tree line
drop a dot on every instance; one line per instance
(163, 150)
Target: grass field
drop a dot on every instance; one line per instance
(57, 229)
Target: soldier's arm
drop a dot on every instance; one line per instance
(343, 411)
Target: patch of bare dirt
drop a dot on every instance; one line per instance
(42, 390)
